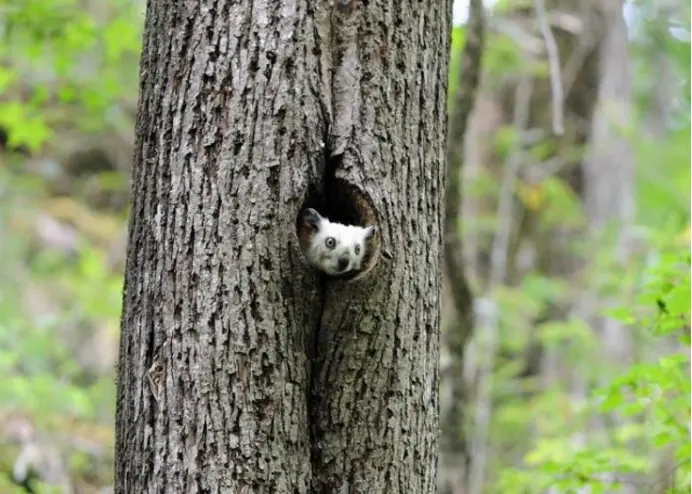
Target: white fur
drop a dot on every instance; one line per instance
(348, 239)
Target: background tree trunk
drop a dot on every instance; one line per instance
(517, 97)
(454, 445)
(222, 319)
(609, 190)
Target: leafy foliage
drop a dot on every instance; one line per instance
(66, 62)
(598, 423)
(657, 392)
(43, 377)
(65, 66)
(69, 65)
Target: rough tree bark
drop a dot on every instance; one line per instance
(241, 370)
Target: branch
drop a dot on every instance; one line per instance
(464, 100)
(554, 61)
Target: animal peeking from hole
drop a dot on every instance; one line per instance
(334, 248)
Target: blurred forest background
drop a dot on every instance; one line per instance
(573, 375)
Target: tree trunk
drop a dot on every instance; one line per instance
(241, 369)
(455, 454)
(609, 192)
(521, 241)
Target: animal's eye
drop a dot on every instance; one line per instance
(330, 242)
(357, 249)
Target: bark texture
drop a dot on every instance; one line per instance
(376, 397)
(241, 370)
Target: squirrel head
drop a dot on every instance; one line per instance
(332, 247)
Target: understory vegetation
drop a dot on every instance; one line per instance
(607, 411)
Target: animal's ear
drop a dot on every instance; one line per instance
(370, 231)
(312, 218)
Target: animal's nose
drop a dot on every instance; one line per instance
(343, 263)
